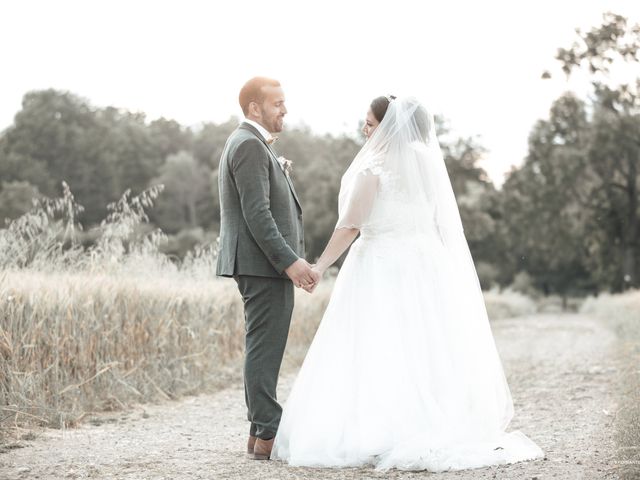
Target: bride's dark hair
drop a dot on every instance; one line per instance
(423, 123)
(379, 106)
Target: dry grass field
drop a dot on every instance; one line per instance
(89, 330)
(73, 343)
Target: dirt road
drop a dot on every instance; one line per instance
(563, 371)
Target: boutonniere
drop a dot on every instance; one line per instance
(286, 164)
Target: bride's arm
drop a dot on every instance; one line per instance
(338, 243)
(355, 216)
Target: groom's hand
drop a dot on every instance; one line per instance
(301, 274)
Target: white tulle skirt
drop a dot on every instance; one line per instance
(403, 371)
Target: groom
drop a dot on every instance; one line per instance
(262, 248)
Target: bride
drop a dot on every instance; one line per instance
(403, 371)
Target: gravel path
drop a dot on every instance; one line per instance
(562, 370)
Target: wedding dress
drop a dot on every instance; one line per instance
(403, 371)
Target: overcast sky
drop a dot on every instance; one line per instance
(478, 63)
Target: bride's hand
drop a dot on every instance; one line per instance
(316, 268)
(317, 272)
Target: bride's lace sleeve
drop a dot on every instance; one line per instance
(356, 202)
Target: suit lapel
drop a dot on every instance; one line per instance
(274, 158)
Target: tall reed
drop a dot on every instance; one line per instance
(84, 329)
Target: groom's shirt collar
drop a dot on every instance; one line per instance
(261, 130)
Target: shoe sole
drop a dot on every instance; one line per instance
(258, 456)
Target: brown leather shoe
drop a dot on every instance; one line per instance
(250, 444)
(262, 449)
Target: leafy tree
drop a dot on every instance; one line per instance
(16, 199)
(318, 165)
(569, 215)
(186, 182)
(209, 140)
(103, 152)
(54, 137)
(475, 195)
(58, 136)
(544, 225)
(168, 137)
(608, 179)
(127, 148)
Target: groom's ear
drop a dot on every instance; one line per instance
(255, 110)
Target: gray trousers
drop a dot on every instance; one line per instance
(268, 305)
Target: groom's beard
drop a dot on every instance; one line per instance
(273, 124)
(278, 124)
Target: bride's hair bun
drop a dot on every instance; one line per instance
(379, 106)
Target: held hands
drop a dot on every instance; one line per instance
(320, 273)
(302, 275)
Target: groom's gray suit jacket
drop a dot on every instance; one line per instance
(261, 231)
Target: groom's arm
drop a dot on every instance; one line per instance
(250, 167)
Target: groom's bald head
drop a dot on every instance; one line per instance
(262, 100)
(254, 91)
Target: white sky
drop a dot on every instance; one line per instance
(478, 63)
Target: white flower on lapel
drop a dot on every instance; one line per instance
(286, 164)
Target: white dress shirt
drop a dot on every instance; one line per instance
(263, 131)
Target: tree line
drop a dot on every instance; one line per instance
(567, 221)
